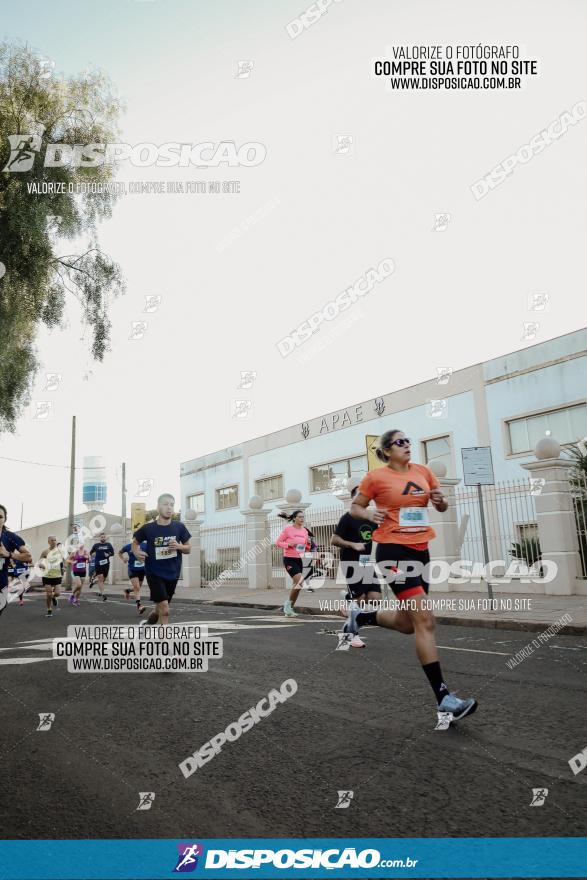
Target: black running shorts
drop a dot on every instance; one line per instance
(293, 565)
(138, 574)
(162, 590)
(409, 582)
(102, 569)
(51, 582)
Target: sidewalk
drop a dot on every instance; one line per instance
(536, 613)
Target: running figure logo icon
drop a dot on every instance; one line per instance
(244, 69)
(443, 375)
(379, 406)
(539, 795)
(342, 145)
(247, 378)
(46, 719)
(52, 381)
(23, 149)
(188, 857)
(146, 799)
(531, 328)
(344, 800)
(144, 487)
(152, 303)
(441, 222)
(538, 302)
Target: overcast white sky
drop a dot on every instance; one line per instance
(457, 296)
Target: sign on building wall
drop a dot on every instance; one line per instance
(138, 515)
(478, 466)
(372, 461)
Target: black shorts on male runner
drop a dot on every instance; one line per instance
(391, 556)
(162, 589)
(51, 582)
(138, 574)
(293, 565)
(361, 579)
(102, 569)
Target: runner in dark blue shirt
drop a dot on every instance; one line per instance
(136, 573)
(167, 539)
(102, 552)
(13, 547)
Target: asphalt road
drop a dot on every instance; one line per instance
(361, 720)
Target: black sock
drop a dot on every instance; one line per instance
(367, 618)
(434, 676)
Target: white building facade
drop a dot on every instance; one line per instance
(508, 404)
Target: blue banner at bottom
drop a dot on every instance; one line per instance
(529, 857)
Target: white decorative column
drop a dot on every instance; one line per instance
(258, 545)
(293, 501)
(557, 528)
(191, 571)
(446, 546)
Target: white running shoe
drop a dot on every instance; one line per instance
(357, 642)
(288, 610)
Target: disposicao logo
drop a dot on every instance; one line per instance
(188, 857)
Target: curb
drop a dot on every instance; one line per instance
(483, 622)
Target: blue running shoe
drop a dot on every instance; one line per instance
(457, 707)
(351, 625)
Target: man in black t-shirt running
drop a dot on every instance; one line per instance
(353, 537)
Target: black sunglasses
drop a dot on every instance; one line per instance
(402, 441)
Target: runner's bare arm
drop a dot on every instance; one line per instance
(360, 509)
(136, 549)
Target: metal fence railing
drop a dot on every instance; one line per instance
(223, 551)
(578, 487)
(509, 512)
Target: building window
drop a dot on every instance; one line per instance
(269, 488)
(327, 476)
(229, 557)
(566, 425)
(196, 502)
(438, 449)
(226, 497)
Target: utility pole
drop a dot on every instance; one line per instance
(123, 523)
(71, 495)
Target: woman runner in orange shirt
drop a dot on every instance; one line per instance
(401, 492)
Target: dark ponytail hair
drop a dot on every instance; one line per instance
(289, 516)
(385, 442)
(5, 517)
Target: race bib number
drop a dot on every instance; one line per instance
(164, 553)
(413, 518)
(300, 548)
(103, 562)
(138, 564)
(364, 559)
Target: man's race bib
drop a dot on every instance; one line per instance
(164, 553)
(364, 559)
(103, 562)
(300, 548)
(413, 518)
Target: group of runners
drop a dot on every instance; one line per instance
(154, 552)
(389, 507)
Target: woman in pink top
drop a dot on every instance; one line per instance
(294, 541)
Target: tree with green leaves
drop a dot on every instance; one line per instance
(38, 278)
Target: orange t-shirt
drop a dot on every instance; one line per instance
(391, 490)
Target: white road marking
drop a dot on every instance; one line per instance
(17, 661)
(473, 650)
